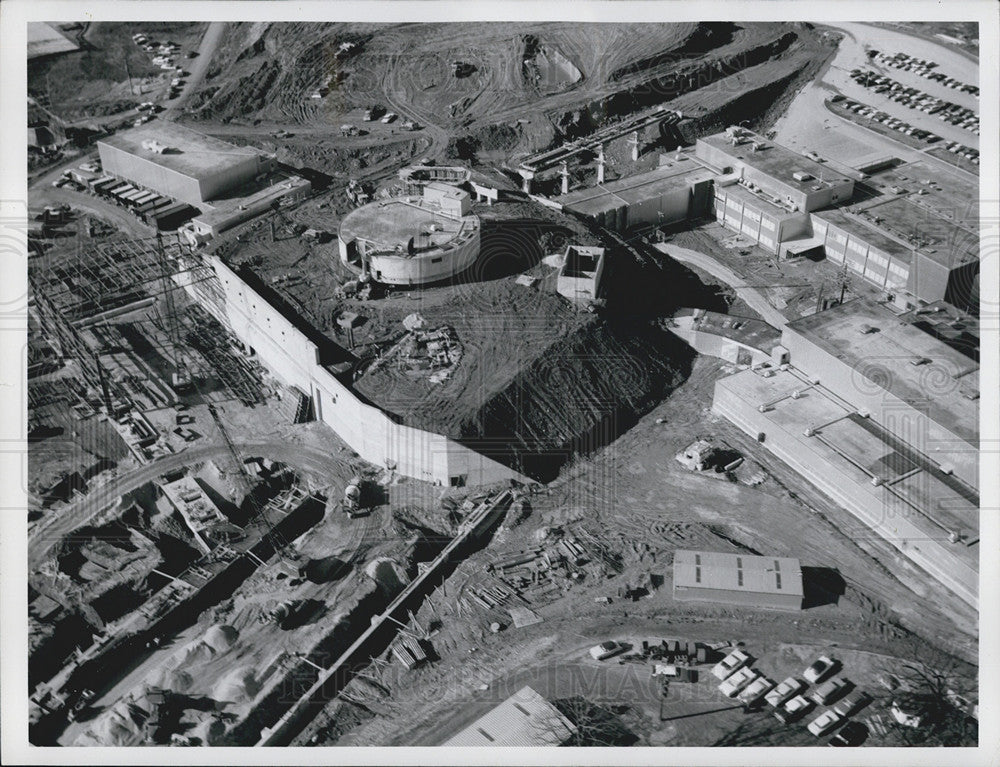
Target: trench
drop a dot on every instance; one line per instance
(300, 680)
(123, 654)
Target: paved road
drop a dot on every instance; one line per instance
(198, 68)
(754, 298)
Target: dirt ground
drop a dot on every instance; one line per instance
(641, 504)
(568, 381)
(93, 82)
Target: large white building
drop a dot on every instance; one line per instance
(524, 719)
(180, 163)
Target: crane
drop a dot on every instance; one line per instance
(276, 539)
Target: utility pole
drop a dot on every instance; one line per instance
(128, 74)
(845, 280)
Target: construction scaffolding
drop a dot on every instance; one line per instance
(118, 308)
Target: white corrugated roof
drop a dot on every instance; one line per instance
(524, 719)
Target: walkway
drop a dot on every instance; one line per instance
(754, 298)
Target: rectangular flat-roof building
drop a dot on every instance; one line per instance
(940, 262)
(524, 719)
(677, 190)
(710, 576)
(914, 385)
(763, 222)
(179, 162)
(877, 258)
(889, 487)
(793, 179)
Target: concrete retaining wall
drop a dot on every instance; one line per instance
(370, 432)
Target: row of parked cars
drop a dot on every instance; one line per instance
(164, 56)
(914, 98)
(863, 110)
(923, 67)
(790, 700)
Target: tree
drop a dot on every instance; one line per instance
(938, 688)
(594, 725)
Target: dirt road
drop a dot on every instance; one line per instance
(206, 49)
(44, 537)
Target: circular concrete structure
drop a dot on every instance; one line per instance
(412, 240)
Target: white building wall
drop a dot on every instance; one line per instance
(429, 267)
(291, 356)
(117, 162)
(910, 424)
(872, 506)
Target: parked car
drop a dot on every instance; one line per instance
(825, 722)
(755, 691)
(736, 660)
(853, 703)
(606, 650)
(820, 669)
(793, 710)
(787, 689)
(830, 690)
(736, 682)
(905, 716)
(851, 734)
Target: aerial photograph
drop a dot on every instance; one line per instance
(543, 383)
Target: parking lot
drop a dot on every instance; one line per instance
(918, 100)
(875, 119)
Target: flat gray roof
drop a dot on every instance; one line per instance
(45, 40)
(775, 211)
(868, 233)
(941, 240)
(598, 199)
(840, 332)
(737, 572)
(746, 330)
(391, 223)
(195, 154)
(777, 161)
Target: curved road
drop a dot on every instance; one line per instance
(43, 539)
(754, 298)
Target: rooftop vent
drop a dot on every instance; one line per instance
(801, 175)
(154, 146)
